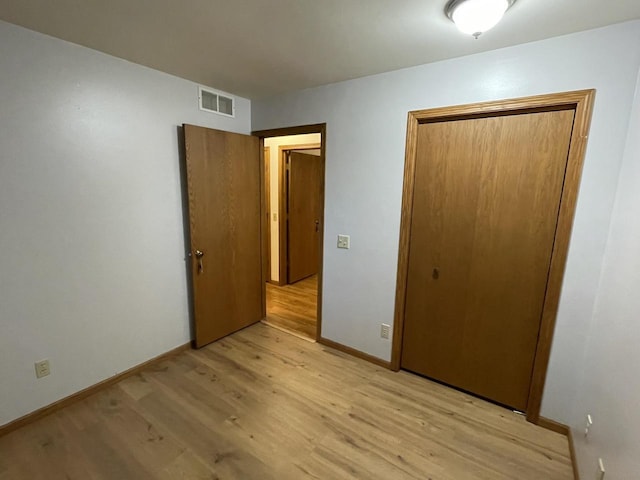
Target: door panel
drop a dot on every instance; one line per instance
(486, 200)
(267, 216)
(304, 207)
(223, 176)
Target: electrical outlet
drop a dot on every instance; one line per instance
(600, 475)
(42, 368)
(385, 331)
(344, 241)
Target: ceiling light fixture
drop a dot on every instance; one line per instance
(475, 17)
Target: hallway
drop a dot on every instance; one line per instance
(293, 308)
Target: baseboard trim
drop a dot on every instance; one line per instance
(355, 353)
(566, 431)
(86, 392)
(574, 460)
(553, 426)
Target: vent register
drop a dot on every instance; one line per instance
(216, 102)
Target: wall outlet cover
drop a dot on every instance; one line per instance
(42, 368)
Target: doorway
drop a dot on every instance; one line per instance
(228, 220)
(294, 160)
(488, 203)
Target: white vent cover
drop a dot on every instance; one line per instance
(216, 102)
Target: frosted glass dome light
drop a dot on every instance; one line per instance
(475, 17)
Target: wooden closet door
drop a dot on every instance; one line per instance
(486, 200)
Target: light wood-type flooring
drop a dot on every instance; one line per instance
(293, 308)
(262, 404)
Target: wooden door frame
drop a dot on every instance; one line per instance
(283, 235)
(266, 163)
(582, 102)
(320, 128)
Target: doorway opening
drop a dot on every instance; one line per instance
(294, 166)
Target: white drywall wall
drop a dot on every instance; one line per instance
(92, 253)
(610, 388)
(274, 143)
(366, 128)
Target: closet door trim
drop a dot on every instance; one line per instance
(582, 102)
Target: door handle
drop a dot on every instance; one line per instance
(199, 256)
(436, 273)
(317, 225)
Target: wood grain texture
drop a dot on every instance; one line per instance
(553, 426)
(226, 204)
(264, 228)
(304, 198)
(547, 102)
(267, 215)
(87, 392)
(297, 130)
(487, 192)
(261, 404)
(294, 307)
(582, 102)
(572, 455)
(408, 187)
(323, 155)
(575, 162)
(283, 240)
(567, 432)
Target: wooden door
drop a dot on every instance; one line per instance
(304, 209)
(223, 177)
(267, 216)
(486, 200)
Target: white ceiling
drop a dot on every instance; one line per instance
(257, 48)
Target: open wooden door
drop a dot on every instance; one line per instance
(224, 184)
(304, 199)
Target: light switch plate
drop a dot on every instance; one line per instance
(344, 241)
(385, 331)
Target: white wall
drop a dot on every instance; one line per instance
(92, 253)
(610, 389)
(274, 143)
(366, 126)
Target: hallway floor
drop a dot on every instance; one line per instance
(293, 308)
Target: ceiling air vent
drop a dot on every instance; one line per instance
(216, 102)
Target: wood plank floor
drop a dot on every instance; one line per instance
(262, 404)
(293, 308)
